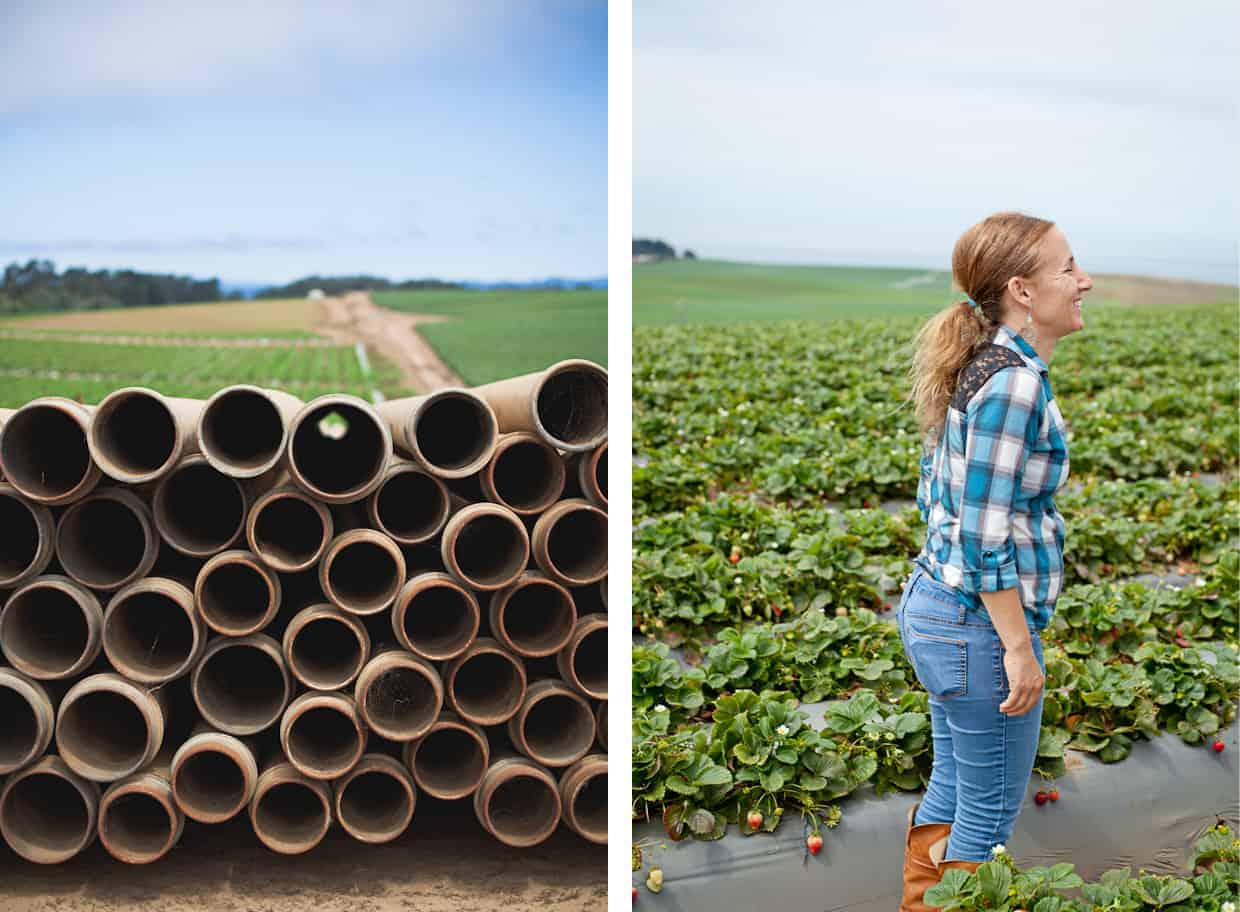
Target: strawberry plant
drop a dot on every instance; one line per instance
(659, 680)
(891, 746)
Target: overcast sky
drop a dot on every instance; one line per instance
(877, 132)
(262, 141)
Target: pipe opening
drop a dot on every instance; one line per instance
(20, 733)
(138, 823)
(210, 783)
(326, 653)
(558, 727)
(577, 544)
(402, 701)
(243, 429)
(292, 813)
(20, 543)
(45, 451)
(136, 433)
(148, 633)
(525, 475)
(288, 531)
(324, 738)
(375, 802)
(590, 661)
(454, 432)
(439, 622)
(102, 542)
(338, 464)
(234, 596)
(590, 806)
(104, 730)
(450, 761)
(487, 685)
(47, 813)
(572, 405)
(539, 617)
(523, 807)
(200, 509)
(241, 687)
(490, 550)
(600, 473)
(45, 631)
(364, 576)
(411, 506)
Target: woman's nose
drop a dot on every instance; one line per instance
(1085, 283)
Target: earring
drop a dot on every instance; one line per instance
(1027, 332)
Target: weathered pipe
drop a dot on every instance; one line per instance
(107, 539)
(322, 734)
(451, 433)
(362, 571)
(534, 616)
(139, 822)
(52, 628)
(591, 470)
(151, 632)
(341, 459)
(435, 616)
(517, 801)
(583, 797)
(449, 760)
(410, 505)
(138, 435)
(243, 430)
(375, 799)
(241, 684)
(398, 694)
(290, 813)
(600, 724)
(235, 594)
(583, 660)
(526, 474)
(570, 543)
(591, 599)
(554, 724)
(29, 720)
(108, 727)
(325, 647)
(48, 813)
(213, 776)
(44, 453)
(485, 546)
(288, 530)
(485, 684)
(28, 539)
(565, 405)
(198, 510)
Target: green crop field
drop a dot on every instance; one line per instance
(490, 335)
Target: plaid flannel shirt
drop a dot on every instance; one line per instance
(986, 491)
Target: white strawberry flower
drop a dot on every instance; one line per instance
(660, 708)
(782, 731)
(1229, 906)
(736, 581)
(998, 849)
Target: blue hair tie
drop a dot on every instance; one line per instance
(972, 303)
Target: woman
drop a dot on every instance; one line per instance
(986, 582)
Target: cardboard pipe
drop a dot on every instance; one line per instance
(241, 684)
(325, 647)
(449, 760)
(52, 628)
(28, 540)
(583, 797)
(44, 453)
(139, 822)
(410, 506)
(533, 617)
(450, 433)
(138, 435)
(48, 813)
(322, 734)
(151, 632)
(243, 430)
(362, 571)
(554, 725)
(107, 540)
(398, 694)
(583, 660)
(374, 801)
(29, 720)
(235, 594)
(526, 474)
(213, 776)
(569, 542)
(198, 510)
(288, 530)
(485, 684)
(109, 727)
(338, 460)
(518, 801)
(435, 616)
(565, 405)
(290, 813)
(485, 546)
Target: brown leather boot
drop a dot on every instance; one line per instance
(922, 844)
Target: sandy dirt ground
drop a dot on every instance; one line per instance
(355, 318)
(250, 318)
(1145, 290)
(445, 861)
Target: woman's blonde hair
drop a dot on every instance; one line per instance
(994, 250)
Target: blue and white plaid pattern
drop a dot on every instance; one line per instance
(986, 491)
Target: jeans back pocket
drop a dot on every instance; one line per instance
(939, 661)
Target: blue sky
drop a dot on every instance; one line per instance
(876, 133)
(267, 141)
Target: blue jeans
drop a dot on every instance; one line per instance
(982, 758)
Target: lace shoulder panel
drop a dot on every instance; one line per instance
(974, 375)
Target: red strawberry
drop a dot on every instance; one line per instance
(1218, 746)
(1040, 798)
(865, 503)
(1053, 794)
(814, 844)
(735, 557)
(634, 892)
(754, 819)
(1183, 642)
(776, 610)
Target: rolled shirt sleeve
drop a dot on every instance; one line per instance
(1001, 428)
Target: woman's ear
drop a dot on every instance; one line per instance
(1017, 289)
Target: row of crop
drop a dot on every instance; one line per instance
(733, 558)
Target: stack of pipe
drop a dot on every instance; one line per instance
(306, 613)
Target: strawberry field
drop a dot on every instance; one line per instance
(775, 475)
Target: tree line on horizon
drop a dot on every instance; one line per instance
(658, 250)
